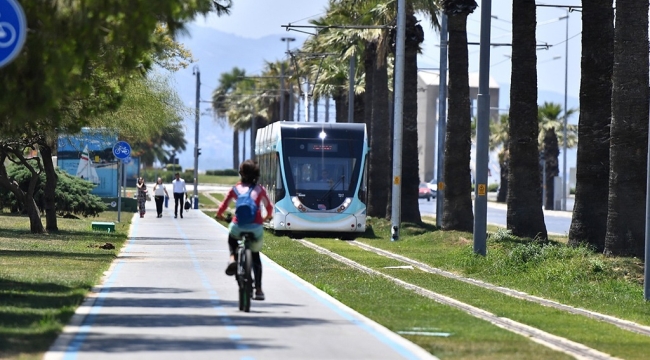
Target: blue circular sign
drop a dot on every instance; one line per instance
(122, 150)
(13, 30)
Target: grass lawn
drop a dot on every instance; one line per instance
(43, 278)
(574, 276)
(217, 179)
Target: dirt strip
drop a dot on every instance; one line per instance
(623, 324)
(577, 350)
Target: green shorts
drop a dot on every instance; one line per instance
(257, 230)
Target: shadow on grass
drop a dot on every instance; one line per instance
(55, 254)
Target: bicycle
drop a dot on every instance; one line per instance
(244, 273)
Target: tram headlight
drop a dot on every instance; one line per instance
(345, 205)
(296, 202)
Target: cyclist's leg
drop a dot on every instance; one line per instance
(233, 235)
(257, 270)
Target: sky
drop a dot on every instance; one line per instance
(264, 20)
(259, 18)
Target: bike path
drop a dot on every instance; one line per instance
(167, 297)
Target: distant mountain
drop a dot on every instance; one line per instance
(217, 52)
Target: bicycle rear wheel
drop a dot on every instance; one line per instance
(241, 276)
(248, 279)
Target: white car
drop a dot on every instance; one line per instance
(433, 185)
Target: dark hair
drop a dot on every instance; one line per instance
(176, 174)
(249, 172)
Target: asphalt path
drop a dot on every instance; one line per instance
(167, 297)
(557, 222)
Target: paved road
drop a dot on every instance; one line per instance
(167, 297)
(557, 222)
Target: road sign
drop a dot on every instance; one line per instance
(122, 150)
(13, 30)
(127, 160)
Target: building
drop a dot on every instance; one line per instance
(428, 92)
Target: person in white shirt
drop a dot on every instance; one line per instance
(180, 192)
(160, 192)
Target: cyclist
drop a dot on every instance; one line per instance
(249, 172)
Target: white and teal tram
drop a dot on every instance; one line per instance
(314, 174)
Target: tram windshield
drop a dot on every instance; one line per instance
(322, 172)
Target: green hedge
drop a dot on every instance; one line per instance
(223, 172)
(150, 175)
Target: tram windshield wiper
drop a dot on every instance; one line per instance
(327, 194)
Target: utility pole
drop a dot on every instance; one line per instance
(196, 136)
(288, 40)
(353, 63)
(397, 127)
(482, 132)
(564, 121)
(442, 120)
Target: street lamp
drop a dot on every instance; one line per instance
(288, 40)
(564, 120)
(195, 71)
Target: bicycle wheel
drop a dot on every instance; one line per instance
(248, 279)
(241, 276)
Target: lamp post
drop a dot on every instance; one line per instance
(196, 72)
(564, 120)
(288, 40)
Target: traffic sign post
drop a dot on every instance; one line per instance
(13, 30)
(122, 151)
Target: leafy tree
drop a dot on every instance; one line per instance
(626, 217)
(589, 223)
(499, 141)
(525, 217)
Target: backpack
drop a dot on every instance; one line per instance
(245, 207)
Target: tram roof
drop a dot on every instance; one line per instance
(328, 125)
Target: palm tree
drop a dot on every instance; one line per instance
(457, 214)
(629, 132)
(227, 84)
(499, 141)
(549, 119)
(589, 223)
(525, 217)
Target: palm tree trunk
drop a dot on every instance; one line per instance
(524, 217)
(589, 223)
(235, 149)
(629, 132)
(410, 209)
(457, 214)
(551, 154)
(379, 174)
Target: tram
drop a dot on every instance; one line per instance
(314, 174)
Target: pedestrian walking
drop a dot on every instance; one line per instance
(180, 193)
(142, 196)
(160, 192)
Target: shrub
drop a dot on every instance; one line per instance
(223, 172)
(173, 168)
(72, 194)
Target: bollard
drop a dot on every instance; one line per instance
(166, 201)
(196, 201)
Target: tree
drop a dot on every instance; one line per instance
(525, 217)
(499, 141)
(629, 132)
(549, 121)
(457, 214)
(220, 103)
(589, 223)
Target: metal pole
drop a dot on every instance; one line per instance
(327, 109)
(119, 193)
(482, 132)
(282, 92)
(564, 122)
(397, 127)
(307, 101)
(196, 137)
(288, 40)
(442, 120)
(253, 128)
(351, 73)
